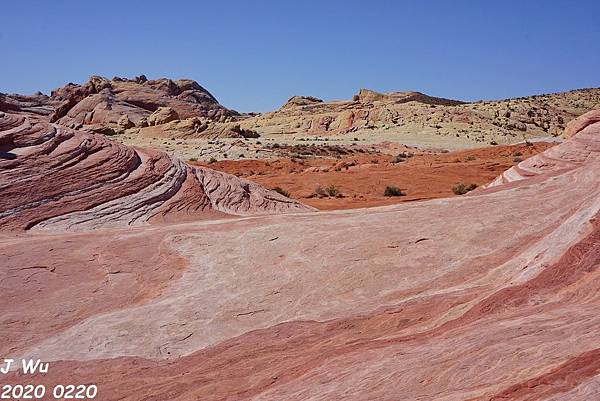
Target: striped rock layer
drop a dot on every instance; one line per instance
(53, 177)
(492, 296)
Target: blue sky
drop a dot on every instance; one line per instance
(252, 56)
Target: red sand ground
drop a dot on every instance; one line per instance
(362, 184)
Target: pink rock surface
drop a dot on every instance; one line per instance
(492, 296)
(57, 178)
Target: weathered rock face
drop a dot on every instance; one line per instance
(162, 115)
(53, 177)
(192, 128)
(103, 102)
(503, 121)
(37, 104)
(301, 101)
(100, 104)
(491, 296)
(157, 108)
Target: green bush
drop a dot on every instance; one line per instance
(393, 191)
(332, 190)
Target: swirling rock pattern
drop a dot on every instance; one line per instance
(492, 296)
(52, 177)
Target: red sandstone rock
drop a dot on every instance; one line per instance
(491, 296)
(102, 102)
(55, 177)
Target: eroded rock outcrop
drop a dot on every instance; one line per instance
(301, 101)
(486, 122)
(162, 115)
(103, 102)
(53, 177)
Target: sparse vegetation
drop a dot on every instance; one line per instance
(282, 191)
(212, 160)
(194, 159)
(471, 158)
(391, 190)
(517, 159)
(461, 189)
(332, 190)
(401, 157)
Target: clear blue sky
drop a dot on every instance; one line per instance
(254, 55)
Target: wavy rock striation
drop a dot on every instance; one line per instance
(492, 296)
(53, 177)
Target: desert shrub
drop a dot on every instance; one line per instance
(461, 189)
(391, 190)
(517, 154)
(212, 160)
(398, 159)
(194, 159)
(517, 159)
(282, 191)
(471, 158)
(332, 190)
(401, 157)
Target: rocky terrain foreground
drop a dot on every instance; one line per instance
(127, 269)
